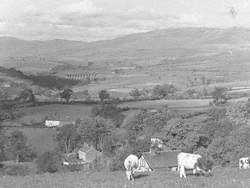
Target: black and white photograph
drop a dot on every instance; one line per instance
(124, 93)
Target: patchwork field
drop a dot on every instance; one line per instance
(222, 178)
(174, 104)
(58, 111)
(41, 139)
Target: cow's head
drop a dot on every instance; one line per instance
(205, 166)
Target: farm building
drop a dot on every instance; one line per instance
(52, 123)
(88, 153)
(56, 123)
(83, 158)
(166, 159)
(72, 159)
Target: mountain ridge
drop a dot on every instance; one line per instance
(138, 46)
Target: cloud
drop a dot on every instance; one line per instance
(85, 7)
(104, 19)
(190, 18)
(3, 26)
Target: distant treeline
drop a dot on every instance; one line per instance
(47, 81)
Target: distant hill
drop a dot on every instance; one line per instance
(178, 42)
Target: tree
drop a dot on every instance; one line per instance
(103, 95)
(94, 130)
(219, 95)
(135, 93)
(109, 111)
(27, 96)
(68, 138)
(3, 139)
(66, 94)
(86, 95)
(48, 162)
(18, 148)
(161, 91)
(7, 111)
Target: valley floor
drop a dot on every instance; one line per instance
(222, 178)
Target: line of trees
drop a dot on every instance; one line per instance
(14, 147)
(47, 81)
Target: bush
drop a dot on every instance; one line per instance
(17, 170)
(219, 95)
(109, 111)
(48, 162)
(118, 159)
(47, 81)
(161, 91)
(75, 167)
(135, 93)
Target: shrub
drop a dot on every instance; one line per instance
(217, 113)
(75, 167)
(103, 95)
(161, 91)
(16, 170)
(219, 95)
(48, 162)
(135, 93)
(118, 159)
(109, 111)
(18, 149)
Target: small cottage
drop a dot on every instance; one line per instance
(72, 159)
(56, 123)
(52, 123)
(88, 153)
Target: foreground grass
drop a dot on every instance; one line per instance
(223, 178)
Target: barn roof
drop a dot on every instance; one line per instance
(166, 159)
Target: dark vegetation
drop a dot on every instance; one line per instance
(48, 162)
(222, 135)
(47, 81)
(66, 94)
(109, 111)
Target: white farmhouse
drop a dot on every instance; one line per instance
(52, 123)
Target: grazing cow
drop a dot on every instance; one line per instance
(193, 162)
(131, 163)
(244, 163)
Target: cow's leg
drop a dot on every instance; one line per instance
(128, 174)
(246, 165)
(132, 175)
(240, 166)
(182, 172)
(178, 168)
(194, 171)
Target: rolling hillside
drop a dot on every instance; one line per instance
(179, 56)
(181, 42)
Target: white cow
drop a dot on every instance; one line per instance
(131, 163)
(244, 163)
(189, 161)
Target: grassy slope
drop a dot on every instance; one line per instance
(223, 178)
(41, 139)
(59, 111)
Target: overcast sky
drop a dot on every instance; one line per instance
(90, 20)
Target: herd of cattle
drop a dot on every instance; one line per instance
(185, 161)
